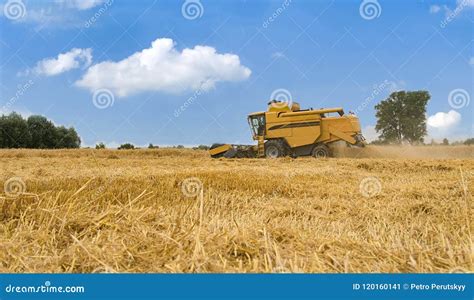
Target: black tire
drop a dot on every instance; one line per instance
(321, 151)
(241, 154)
(274, 149)
(217, 155)
(231, 153)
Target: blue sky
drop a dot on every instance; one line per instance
(188, 72)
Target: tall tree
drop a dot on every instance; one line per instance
(43, 132)
(402, 117)
(14, 131)
(66, 138)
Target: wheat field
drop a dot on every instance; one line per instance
(378, 209)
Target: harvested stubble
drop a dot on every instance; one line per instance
(124, 211)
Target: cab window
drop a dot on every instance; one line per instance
(257, 124)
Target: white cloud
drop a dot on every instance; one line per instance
(469, 3)
(435, 9)
(61, 14)
(43, 15)
(444, 121)
(163, 68)
(445, 125)
(80, 4)
(64, 62)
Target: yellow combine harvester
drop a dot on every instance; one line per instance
(285, 129)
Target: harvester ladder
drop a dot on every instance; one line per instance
(261, 146)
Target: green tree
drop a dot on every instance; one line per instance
(126, 146)
(402, 117)
(66, 138)
(14, 131)
(35, 132)
(100, 146)
(445, 141)
(201, 147)
(43, 133)
(469, 141)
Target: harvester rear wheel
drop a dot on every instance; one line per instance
(231, 153)
(274, 149)
(321, 151)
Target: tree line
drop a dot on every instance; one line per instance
(35, 132)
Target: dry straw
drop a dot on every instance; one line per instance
(124, 211)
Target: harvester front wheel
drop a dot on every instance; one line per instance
(321, 151)
(274, 149)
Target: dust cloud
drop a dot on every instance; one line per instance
(405, 151)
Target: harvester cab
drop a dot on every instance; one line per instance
(284, 129)
(257, 124)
